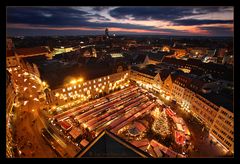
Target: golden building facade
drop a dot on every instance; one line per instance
(204, 110)
(168, 85)
(80, 90)
(153, 82)
(10, 98)
(223, 128)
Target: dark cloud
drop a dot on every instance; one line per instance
(143, 13)
(218, 31)
(190, 22)
(100, 8)
(163, 13)
(60, 16)
(72, 17)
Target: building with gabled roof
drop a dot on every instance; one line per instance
(109, 145)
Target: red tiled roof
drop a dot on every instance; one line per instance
(32, 51)
(9, 53)
(84, 142)
(65, 125)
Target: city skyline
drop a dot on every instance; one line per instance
(167, 20)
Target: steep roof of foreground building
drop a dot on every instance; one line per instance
(108, 145)
(32, 51)
(222, 98)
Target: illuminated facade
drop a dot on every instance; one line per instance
(11, 61)
(10, 98)
(223, 128)
(147, 60)
(168, 85)
(204, 110)
(178, 88)
(80, 90)
(153, 81)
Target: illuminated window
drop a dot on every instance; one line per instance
(74, 87)
(94, 81)
(79, 86)
(99, 85)
(80, 90)
(65, 95)
(100, 80)
(63, 90)
(75, 91)
(104, 78)
(108, 77)
(94, 86)
(104, 83)
(89, 82)
(90, 87)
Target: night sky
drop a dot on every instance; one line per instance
(188, 21)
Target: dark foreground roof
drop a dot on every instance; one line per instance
(108, 145)
(220, 99)
(56, 73)
(32, 50)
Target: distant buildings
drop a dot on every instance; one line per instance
(14, 55)
(86, 71)
(106, 33)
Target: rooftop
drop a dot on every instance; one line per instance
(50, 70)
(32, 51)
(9, 53)
(108, 144)
(222, 98)
(145, 70)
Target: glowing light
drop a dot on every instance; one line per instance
(36, 99)
(25, 102)
(73, 81)
(80, 80)
(44, 83)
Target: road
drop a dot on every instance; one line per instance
(27, 122)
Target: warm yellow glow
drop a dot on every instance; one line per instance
(73, 81)
(80, 80)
